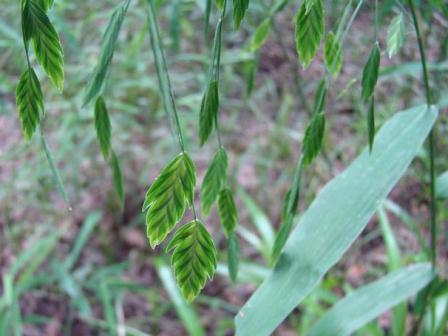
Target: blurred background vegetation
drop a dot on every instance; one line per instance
(89, 270)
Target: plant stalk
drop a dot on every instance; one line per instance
(162, 72)
(431, 148)
(432, 138)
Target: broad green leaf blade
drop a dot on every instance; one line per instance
(102, 126)
(309, 31)
(239, 10)
(333, 221)
(46, 43)
(260, 35)
(107, 52)
(194, 258)
(370, 72)
(30, 102)
(442, 186)
(333, 55)
(214, 181)
(370, 301)
(208, 112)
(371, 122)
(395, 35)
(186, 313)
(228, 213)
(168, 197)
(233, 251)
(117, 178)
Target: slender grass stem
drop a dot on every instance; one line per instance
(350, 22)
(25, 42)
(376, 20)
(431, 148)
(162, 72)
(218, 40)
(164, 79)
(432, 138)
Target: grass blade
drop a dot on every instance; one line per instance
(260, 220)
(368, 302)
(394, 263)
(185, 312)
(87, 228)
(332, 222)
(45, 247)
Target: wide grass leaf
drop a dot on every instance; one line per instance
(333, 221)
(46, 43)
(102, 126)
(370, 301)
(30, 102)
(309, 31)
(107, 52)
(168, 197)
(214, 181)
(194, 258)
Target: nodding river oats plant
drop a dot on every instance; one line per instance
(171, 197)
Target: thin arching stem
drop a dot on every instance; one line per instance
(432, 138)
(162, 72)
(376, 20)
(431, 147)
(214, 69)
